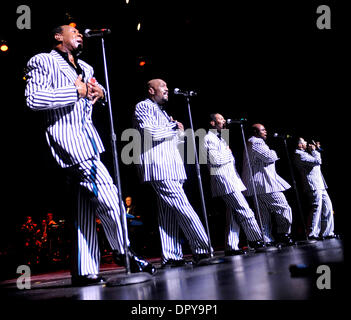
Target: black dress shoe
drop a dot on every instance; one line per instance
(285, 239)
(333, 236)
(256, 244)
(229, 253)
(171, 263)
(136, 263)
(199, 257)
(314, 238)
(88, 280)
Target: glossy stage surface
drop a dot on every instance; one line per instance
(254, 276)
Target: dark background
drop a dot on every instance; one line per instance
(262, 60)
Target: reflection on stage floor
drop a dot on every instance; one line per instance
(291, 273)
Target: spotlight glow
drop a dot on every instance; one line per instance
(4, 47)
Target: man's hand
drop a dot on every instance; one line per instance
(95, 91)
(81, 87)
(317, 144)
(311, 147)
(179, 124)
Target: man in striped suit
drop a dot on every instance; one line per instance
(161, 165)
(226, 183)
(269, 186)
(61, 85)
(321, 220)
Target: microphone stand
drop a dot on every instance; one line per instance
(306, 240)
(128, 278)
(265, 248)
(212, 259)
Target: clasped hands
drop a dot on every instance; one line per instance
(179, 124)
(90, 90)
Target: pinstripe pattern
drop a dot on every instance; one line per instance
(221, 164)
(269, 186)
(226, 182)
(50, 88)
(161, 165)
(232, 231)
(243, 215)
(309, 166)
(159, 159)
(76, 145)
(97, 197)
(88, 247)
(262, 160)
(176, 211)
(274, 202)
(321, 220)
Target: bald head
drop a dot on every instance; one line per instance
(301, 143)
(259, 131)
(158, 91)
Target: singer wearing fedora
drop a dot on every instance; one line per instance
(308, 163)
(161, 165)
(62, 86)
(269, 186)
(226, 183)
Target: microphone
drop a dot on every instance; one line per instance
(185, 93)
(96, 32)
(282, 136)
(236, 121)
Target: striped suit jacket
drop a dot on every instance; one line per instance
(309, 166)
(221, 164)
(70, 132)
(160, 158)
(264, 174)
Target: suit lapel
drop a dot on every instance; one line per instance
(64, 67)
(87, 72)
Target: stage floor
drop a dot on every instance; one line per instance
(255, 276)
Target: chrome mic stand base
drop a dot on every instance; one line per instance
(302, 242)
(209, 261)
(266, 249)
(128, 279)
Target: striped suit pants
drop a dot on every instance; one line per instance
(239, 214)
(97, 198)
(174, 212)
(277, 204)
(321, 220)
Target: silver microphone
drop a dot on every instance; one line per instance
(185, 93)
(96, 32)
(282, 136)
(239, 121)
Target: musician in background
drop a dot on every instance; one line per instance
(308, 162)
(50, 219)
(30, 236)
(136, 227)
